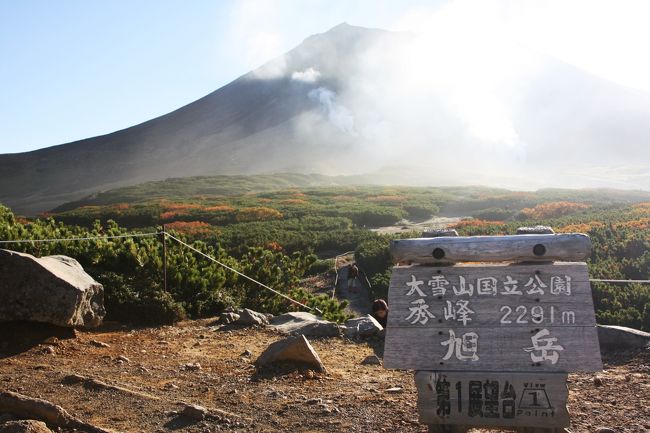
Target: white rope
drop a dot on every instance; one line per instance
(599, 280)
(243, 275)
(134, 235)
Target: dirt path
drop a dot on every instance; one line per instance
(357, 296)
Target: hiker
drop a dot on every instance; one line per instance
(353, 274)
(380, 311)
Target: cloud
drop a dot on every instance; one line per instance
(309, 75)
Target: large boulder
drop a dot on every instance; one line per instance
(620, 337)
(365, 326)
(306, 324)
(294, 349)
(53, 289)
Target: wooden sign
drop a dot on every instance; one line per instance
(532, 317)
(492, 399)
(567, 247)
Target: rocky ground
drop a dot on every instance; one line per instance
(156, 370)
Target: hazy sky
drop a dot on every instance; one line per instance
(75, 69)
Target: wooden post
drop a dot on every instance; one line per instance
(163, 236)
(493, 342)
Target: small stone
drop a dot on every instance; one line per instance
(192, 366)
(25, 426)
(605, 430)
(171, 386)
(247, 353)
(598, 381)
(194, 411)
(51, 340)
(123, 359)
(628, 378)
(394, 390)
(99, 343)
(197, 344)
(49, 350)
(371, 360)
(313, 401)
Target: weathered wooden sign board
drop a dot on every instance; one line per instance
(478, 317)
(492, 399)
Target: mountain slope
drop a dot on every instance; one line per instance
(243, 127)
(356, 100)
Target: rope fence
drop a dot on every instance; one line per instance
(136, 235)
(91, 238)
(240, 274)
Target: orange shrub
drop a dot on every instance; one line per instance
(181, 206)
(640, 224)
(293, 201)
(121, 206)
(220, 208)
(258, 214)
(190, 227)
(172, 214)
(274, 246)
(553, 209)
(580, 227)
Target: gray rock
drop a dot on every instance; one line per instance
(194, 411)
(535, 230)
(620, 337)
(53, 289)
(228, 318)
(364, 327)
(439, 233)
(249, 317)
(24, 426)
(301, 323)
(371, 360)
(292, 349)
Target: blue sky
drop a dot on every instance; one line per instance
(73, 69)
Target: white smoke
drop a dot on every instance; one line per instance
(309, 75)
(336, 113)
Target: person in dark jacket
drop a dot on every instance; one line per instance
(380, 311)
(353, 274)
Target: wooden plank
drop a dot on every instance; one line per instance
(563, 247)
(548, 349)
(492, 399)
(502, 296)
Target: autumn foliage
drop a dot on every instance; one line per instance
(190, 227)
(258, 214)
(553, 209)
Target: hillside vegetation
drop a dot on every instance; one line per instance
(279, 236)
